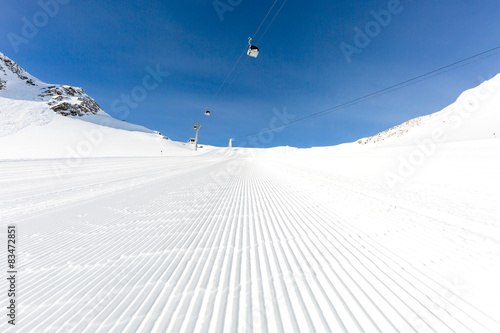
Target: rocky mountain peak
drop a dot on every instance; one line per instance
(62, 99)
(6, 65)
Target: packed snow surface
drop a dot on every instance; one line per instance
(280, 240)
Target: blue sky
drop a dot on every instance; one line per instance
(106, 46)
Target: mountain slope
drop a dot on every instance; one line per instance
(474, 116)
(40, 120)
(17, 84)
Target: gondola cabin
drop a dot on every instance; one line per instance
(253, 51)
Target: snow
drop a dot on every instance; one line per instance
(474, 116)
(70, 137)
(30, 129)
(121, 230)
(247, 240)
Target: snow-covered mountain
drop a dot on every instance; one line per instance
(475, 115)
(52, 121)
(16, 83)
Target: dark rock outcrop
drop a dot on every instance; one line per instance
(13, 67)
(62, 101)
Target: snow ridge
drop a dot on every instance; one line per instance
(13, 67)
(65, 120)
(62, 99)
(475, 115)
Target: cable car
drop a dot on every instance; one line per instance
(253, 51)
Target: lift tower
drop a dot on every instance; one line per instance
(197, 127)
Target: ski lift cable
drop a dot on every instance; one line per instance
(401, 85)
(370, 96)
(367, 97)
(244, 51)
(279, 10)
(384, 92)
(230, 72)
(234, 77)
(267, 28)
(264, 20)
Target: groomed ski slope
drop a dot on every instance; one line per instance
(246, 240)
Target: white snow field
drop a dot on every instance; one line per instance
(121, 230)
(279, 240)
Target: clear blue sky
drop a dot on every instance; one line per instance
(105, 47)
